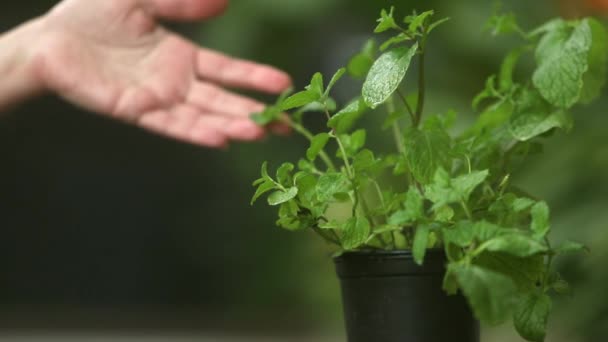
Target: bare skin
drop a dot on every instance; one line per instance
(112, 57)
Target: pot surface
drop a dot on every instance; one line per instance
(387, 297)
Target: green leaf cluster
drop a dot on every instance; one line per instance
(441, 190)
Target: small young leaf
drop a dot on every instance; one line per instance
(416, 23)
(316, 84)
(502, 24)
(360, 64)
(489, 293)
(284, 174)
(352, 143)
(300, 99)
(540, 219)
(386, 21)
(317, 145)
(401, 37)
(531, 316)
(337, 76)
(568, 247)
(280, 197)
(344, 120)
(355, 233)
(521, 204)
(386, 74)
(436, 24)
(262, 189)
(421, 239)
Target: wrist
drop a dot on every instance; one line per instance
(20, 79)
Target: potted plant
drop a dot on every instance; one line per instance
(435, 236)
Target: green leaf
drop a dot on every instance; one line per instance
(284, 174)
(531, 316)
(524, 272)
(401, 37)
(330, 184)
(355, 233)
(300, 99)
(465, 184)
(518, 245)
(306, 184)
(386, 21)
(279, 197)
(521, 204)
(502, 24)
(262, 189)
(317, 145)
(427, 151)
(353, 143)
(489, 92)
(421, 240)
(264, 171)
(414, 209)
(417, 22)
(540, 219)
(436, 24)
(365, 162)
(316, 84)
(562, 61)
(337, 76)
(533, 117)
(461, 234)
(345, 119)
(490, 294)
(386, 74)
(505, 78)
(360, 64)
(568, 247)
(595, 78)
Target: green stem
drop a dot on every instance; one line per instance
(308, 135)
(397, 134)
(407, 106)
(466, 209)
(421, 81)
(327, 237)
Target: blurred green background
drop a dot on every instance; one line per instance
(104, 227)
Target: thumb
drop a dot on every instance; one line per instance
(186, 9)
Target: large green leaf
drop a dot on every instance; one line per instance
(562, 58)
(355, 233)
(330, 184)
(427, 151)
(518, 245)
(489, 293)
(531, 316)
(525, 272)
(595, 78)
(534, 116)
(386, 74)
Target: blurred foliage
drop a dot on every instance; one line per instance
(97, 214)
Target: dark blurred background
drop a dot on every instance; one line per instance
(107, 229)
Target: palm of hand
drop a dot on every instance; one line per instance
(111, 57)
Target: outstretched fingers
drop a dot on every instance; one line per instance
(185, 9)
(189, 124)
(217, 67)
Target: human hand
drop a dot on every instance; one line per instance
(112, 57)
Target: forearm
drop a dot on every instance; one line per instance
(18, 76)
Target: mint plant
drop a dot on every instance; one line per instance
(442, 188)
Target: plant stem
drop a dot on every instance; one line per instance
(326, 236)
(466, 209)
(421, 80)
(407, 106)
(397, 134)
(308, 135)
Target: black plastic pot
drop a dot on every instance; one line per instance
(387, 297)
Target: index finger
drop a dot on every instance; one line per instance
(233, 72)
